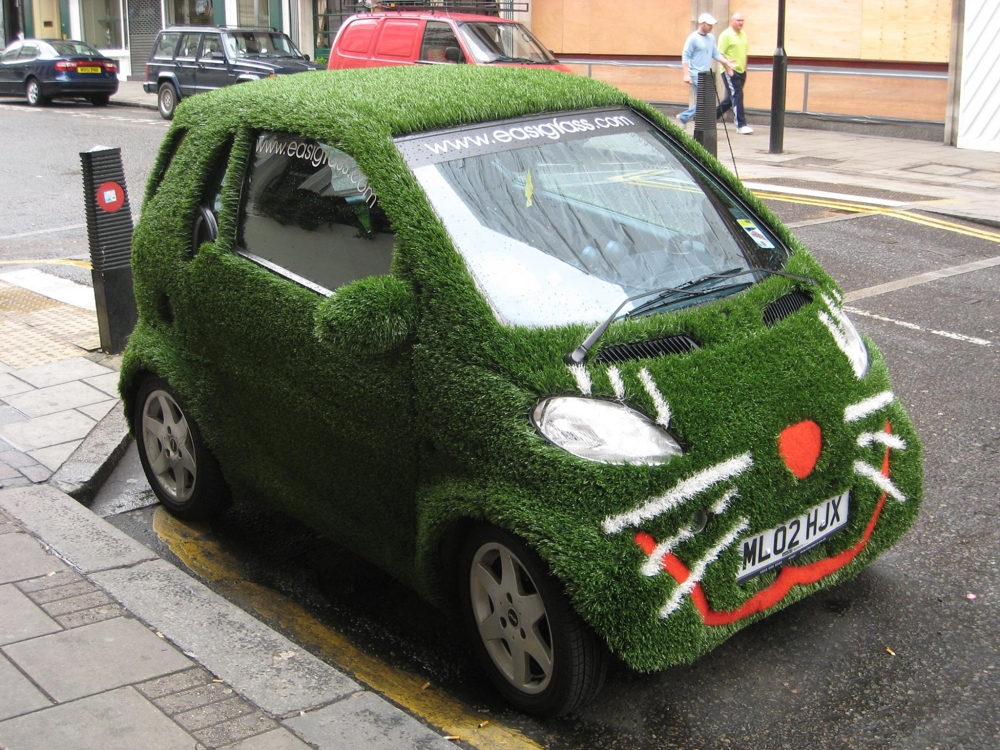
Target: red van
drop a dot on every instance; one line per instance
(431, 35)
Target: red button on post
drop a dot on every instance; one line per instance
(110, 196)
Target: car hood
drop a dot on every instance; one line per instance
(280, 66)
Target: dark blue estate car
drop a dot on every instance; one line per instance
(188, 60)
(45, 69)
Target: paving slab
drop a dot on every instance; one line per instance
(260, 664)
(53, 429)
(95, 658)
(107, 383)
(21, 618)
(55, 456)
(21, 557)
(11, 385)
(84, 540)
(365, 720)
(279, 739)
(62, 371)
(119, 720)
(17, 694)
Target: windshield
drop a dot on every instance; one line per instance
(560, 220)
(502, 42)
(260, 44)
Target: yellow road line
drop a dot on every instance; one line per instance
(897, 213)
(47, 262)
(197, 547)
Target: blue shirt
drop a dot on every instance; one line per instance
(699, 50)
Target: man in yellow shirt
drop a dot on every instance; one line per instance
(733, 44)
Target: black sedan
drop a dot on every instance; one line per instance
(45, 69)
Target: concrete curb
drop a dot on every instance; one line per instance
(83, 473)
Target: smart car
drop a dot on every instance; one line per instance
(512, 336)
(44, 69)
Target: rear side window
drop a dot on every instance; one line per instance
(189, 45)
(28, 52)
(310, 215)
(438, 36)
(357, 37)
(165, 46)
(397, 39)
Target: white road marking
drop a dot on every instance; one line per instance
(915, 327)
(924, 278)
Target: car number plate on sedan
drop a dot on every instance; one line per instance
(88, 69)
(774, 547)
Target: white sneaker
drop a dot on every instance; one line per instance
(745, 130)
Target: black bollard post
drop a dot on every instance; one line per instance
(109, 231)
(705, 131)
(779, 76)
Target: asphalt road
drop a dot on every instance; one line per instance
(905, 657)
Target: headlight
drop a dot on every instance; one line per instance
(603, 431)
(856, 350)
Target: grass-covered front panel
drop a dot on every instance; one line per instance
(393, 449)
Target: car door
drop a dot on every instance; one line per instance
(212, 69)
(7, 61)
(187, 64)
(325, 428)
(20, 65)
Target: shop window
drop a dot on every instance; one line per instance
(192, 12)
(101, 22)
(310, 215)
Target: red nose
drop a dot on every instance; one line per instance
(800, 445)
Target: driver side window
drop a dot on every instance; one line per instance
(310, 215)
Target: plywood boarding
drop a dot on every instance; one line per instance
(599, 27)
(907, 98)
(655, 84)
(757, 91)
(910, 30)
(813, 28)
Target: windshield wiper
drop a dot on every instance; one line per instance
(673, 294)
(505, 58)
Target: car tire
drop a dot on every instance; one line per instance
(100, 100)
(166, 100)
(547, 667)
(180, 468)
(33, 93)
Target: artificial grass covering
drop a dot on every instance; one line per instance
(392, 447)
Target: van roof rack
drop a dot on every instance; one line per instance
(483, 7)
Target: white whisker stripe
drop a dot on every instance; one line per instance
(616, 382)
(862, 409)
(679, 493)
(893, 441)
(662, 408)
(654, 564)
(870, 472)
(582, 378)
(723, 502)
(698, 571)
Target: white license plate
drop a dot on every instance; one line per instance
(774, 547)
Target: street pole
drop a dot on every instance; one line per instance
(779, 75)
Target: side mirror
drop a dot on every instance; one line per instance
(206, 229)
(453, 54)
(371, 316)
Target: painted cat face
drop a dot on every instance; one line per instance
(713, 493)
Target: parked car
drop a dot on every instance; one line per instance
(190, 60)
(44, 69)
(429, 35)
(514, 337)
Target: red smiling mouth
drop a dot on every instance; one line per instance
(790, 575)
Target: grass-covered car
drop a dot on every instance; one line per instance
(515, 338)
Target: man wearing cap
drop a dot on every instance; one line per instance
(699, 51)
(733, 44)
